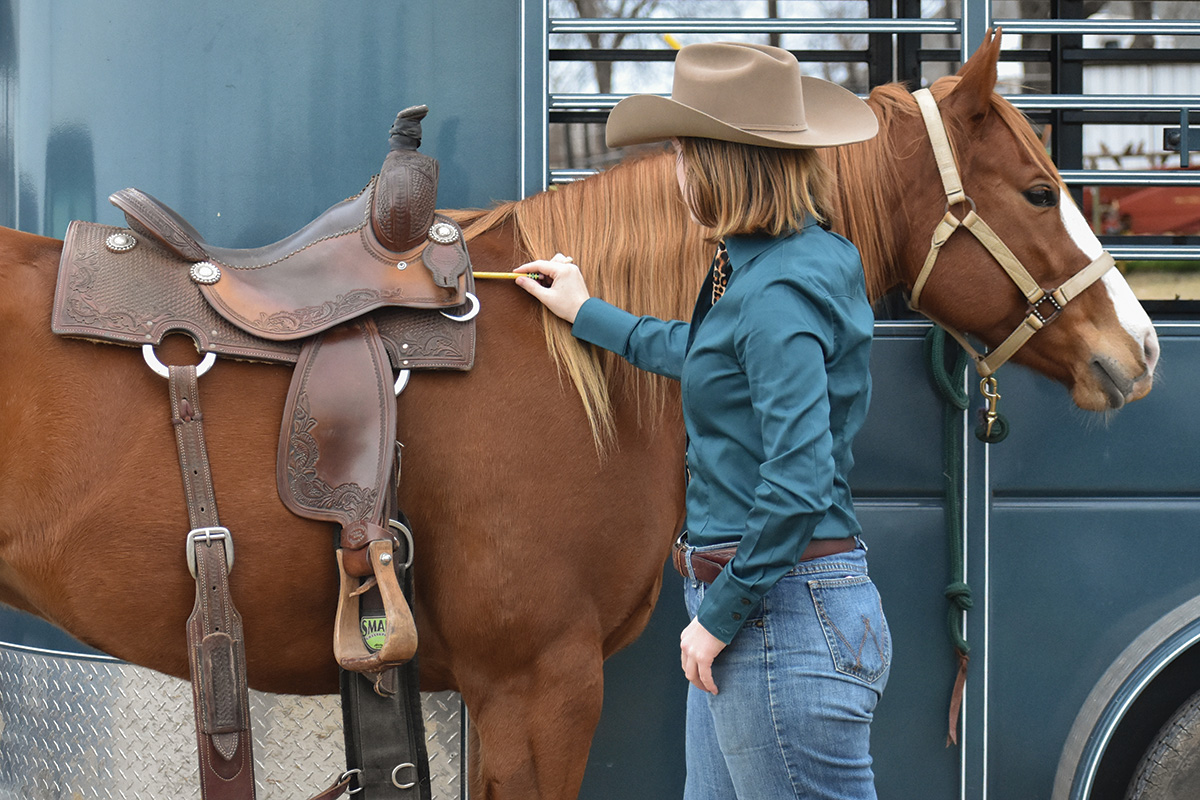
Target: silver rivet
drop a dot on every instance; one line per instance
(205, 272)
(402, 265)
(120, 242)
(443, 233)
(404, 346)
(385, 559)
(405, 362)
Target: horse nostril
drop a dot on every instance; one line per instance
(1116, 387)
(1150, 351)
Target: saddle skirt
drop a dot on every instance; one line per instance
(139, 295)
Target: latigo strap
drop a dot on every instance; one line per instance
(216, 646)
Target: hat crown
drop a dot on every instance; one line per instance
(754, 87)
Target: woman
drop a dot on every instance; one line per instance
(773, 366)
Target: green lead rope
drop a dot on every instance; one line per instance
(949, 385)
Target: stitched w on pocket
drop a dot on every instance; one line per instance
(852, 618)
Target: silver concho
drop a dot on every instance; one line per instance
(443, 233)
(205, 272)
(120, 242)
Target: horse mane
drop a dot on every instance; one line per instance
(634, 242)
(866, 181)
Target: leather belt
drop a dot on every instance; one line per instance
(707, 564)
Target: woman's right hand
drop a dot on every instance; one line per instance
(567, 290)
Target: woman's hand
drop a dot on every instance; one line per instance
(697, 649)
(567, 290)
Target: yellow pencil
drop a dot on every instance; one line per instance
(537, 276)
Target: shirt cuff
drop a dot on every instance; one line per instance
(725, 608)
(604, 325)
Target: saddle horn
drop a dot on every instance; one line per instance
(406, 191)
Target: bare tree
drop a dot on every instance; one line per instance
(610, 9)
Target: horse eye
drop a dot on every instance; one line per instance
(1041, 196)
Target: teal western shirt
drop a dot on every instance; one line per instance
(774, 388)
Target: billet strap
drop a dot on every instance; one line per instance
(337, 788)
(216, 647)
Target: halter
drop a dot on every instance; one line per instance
(1044, 304)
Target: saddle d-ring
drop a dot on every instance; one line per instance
(351, 773)
(470, 314)
(402, 381)
(396, 775)
(161, 369)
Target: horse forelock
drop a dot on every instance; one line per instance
(631, 236)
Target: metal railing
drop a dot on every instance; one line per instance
(677, 25)
(569, 106)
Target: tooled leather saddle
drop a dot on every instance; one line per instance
(376, 283)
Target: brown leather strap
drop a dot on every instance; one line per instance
(216, 648)
(956, 696)
(339, 787)
(707, 564)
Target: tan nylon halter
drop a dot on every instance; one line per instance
(1036, 296)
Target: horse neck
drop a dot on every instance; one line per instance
(869, 200)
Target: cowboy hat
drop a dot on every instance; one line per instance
(747, 93)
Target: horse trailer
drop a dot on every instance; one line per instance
(1063, 556)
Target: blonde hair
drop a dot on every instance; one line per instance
(735, 188)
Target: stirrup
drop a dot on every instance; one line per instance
(400, 632)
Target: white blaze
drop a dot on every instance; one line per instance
(1130, 314)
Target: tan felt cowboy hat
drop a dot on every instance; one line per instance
(747, 93)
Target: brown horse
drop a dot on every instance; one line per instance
(542, 521)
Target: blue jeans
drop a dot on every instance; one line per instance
(797, 690)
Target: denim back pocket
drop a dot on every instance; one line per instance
(851, 615)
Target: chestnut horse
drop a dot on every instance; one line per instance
(544, 490)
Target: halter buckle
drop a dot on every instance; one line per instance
(1036, 308)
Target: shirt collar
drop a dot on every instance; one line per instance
(744, 249)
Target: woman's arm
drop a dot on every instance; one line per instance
(648, 343)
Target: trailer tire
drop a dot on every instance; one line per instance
(1170, 770)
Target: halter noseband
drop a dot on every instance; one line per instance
(1044, 304)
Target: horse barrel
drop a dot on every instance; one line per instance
(85, 725)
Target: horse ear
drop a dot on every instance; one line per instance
(972, 97)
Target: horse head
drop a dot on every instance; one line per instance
(1062, 306)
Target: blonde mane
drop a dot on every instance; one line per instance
(632, 238)
(630, 234)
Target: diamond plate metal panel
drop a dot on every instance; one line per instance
(84, 728)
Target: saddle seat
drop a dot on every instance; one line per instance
(332, 270)
(149, 216)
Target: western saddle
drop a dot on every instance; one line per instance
(377, 282)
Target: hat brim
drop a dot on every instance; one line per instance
(835, 116)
